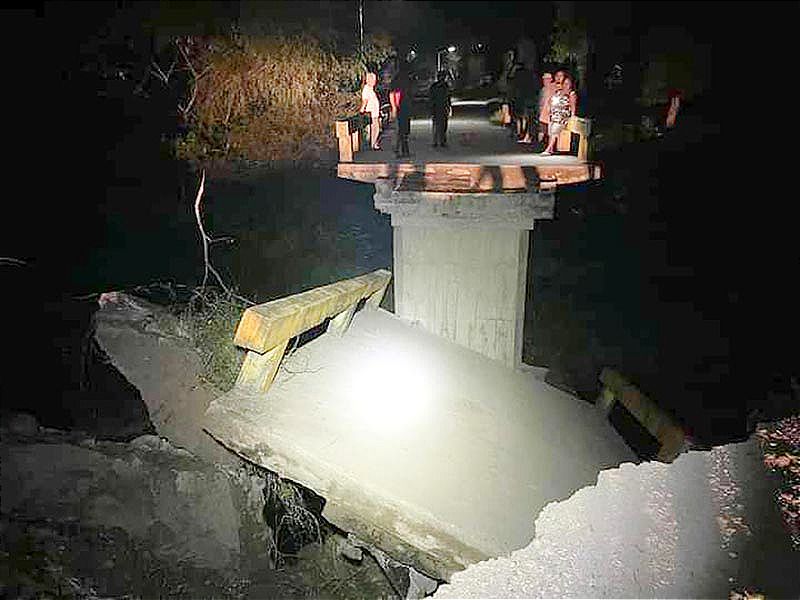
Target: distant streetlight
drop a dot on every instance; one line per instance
(450, 49)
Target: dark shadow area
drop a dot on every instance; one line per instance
(676, 271)
(56, 371)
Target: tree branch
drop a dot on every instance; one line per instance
(13, 261)
(207, 240)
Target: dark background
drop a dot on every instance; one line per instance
(713, 214)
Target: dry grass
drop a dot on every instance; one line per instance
(270, 98)
(209, 320)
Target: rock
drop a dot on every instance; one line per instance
(22, 424)
(350, 551)
(182, 509)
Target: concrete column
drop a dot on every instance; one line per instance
(460, 263)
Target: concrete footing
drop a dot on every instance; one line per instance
(460, 262)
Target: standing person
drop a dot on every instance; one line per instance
(440, 109)
(400, 99)
(563, 105)
(548, 89)
(515, 99)
(529, 96)
(370, 104)
(673, 107)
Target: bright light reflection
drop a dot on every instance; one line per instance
(391, 389)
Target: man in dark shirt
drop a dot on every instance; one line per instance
(440, 109)
(400, 99)
(527, 88)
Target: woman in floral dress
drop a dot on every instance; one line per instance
(563, 105)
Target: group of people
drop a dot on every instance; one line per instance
(399, 99)
(546, 117)
(400, 102)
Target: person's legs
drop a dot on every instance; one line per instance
(553, 132)
(443, 140)
(375, 131)
(404, 129)
(542, 135)
(404, 144)
(527, 130)
(437, 133)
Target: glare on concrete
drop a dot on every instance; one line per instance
(425, 449)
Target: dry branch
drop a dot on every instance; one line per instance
(13, 261)
(207, 241)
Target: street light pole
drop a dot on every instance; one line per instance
(361, 28)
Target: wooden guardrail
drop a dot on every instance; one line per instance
(265, 330)
(658, 422)
(350, 133)
(580, 126)
(583, 128)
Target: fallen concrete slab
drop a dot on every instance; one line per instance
(705, 526)
(429, 451)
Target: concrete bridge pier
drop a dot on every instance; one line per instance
(460, 262)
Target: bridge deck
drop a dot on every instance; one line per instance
(473, 143)
(427, 450)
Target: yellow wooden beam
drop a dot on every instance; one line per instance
(652, 417)
(265, 326)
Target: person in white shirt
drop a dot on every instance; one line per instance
(370, 104)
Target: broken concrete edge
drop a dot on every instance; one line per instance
(509, 569)
(409, 543)
(418, 585)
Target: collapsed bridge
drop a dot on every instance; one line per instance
(421, 429)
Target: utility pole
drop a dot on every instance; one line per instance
(361, 28)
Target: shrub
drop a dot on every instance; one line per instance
(267, 98)
(210, 320)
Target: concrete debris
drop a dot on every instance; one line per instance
(705, 526)
(409, 583)
(350, 551)
(157, 494)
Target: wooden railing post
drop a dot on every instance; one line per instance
(583, 145)
(340, 323)
(355, 139)
(583, 129)
(653, 418)
(258, 370)
(564, 140)
(345, 141)
(374, 301)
